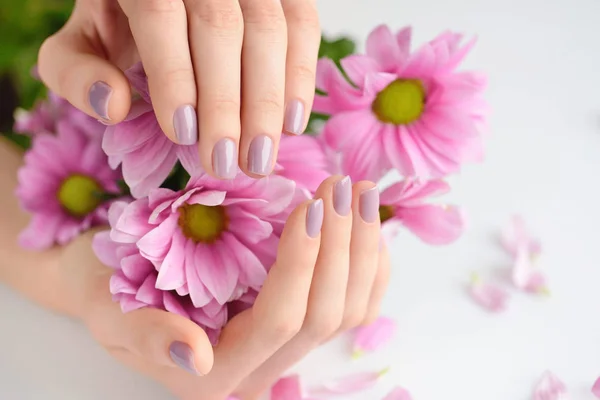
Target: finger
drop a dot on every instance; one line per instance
(380, 285)
(364, 253)
(280, 308)
(304, 38)
(216, 34)
(161, 36)
(159, 337)
(263, 78)
(71, 68)
(328, 290)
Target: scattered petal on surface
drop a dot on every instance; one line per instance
(525, 276)
(596, 388)
(374, 336)
(353, 383)
(287, 388)
(515, 236)
(549, 387)
(489, 296)
(398, 393)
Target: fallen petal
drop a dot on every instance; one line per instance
(287, 388)
(374, 336)
(353, 383)
(489, 296)
(525, 276)
(516, 236)
(549, 387)
(398, 393)
(596, 388)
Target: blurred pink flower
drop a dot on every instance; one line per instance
(404, 204)
(214, 241)
(549, 387)
(489, 296)
(303, 160)
(410, 111)
(139, 145)
(62, 185)
(372, 337)
(46, 115)
(596, 388)
(398, 394)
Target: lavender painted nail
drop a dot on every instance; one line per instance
(294, 117)
(260, 155)
(183, 356)
(185, 123)
(368, 205)
(224, 159)
(342, 196)
(314, 218)
(99, 96)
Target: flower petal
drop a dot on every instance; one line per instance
(372, 337)
(382, 46)
(155, 245)
(549, 387)
(515, 236)
(357, 66)
(353, 383)
(436, 225)
(41, 232)
(287, 388)
(219, 280)
(171, 274)
(489, 296)
(596, 388)
(398, 394)
(148, 294)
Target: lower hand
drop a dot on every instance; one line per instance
(319, 287)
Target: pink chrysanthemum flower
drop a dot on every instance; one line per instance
(303, 160)
(63, 184)
(139, 145)
(214, 241)
(46, 115)
(404, 204)
(410, 111)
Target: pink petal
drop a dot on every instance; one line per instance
(353, 383)
(516, 235)
(219, 280)
(155, 244)
(133, 220)
(382, 46)
(398, 394)
(596, 388)
(489, 296)
(374, 336)
(248, 226)
(436, 225)
(403, 38)
(199, 295)
(136, 268)
(41, 232)
(549, 387)
(252, 271)
(148, 294)
(190, 159)
(105, 249)
(171, 274)
(524, 275)
(357, 67)
(287, 388)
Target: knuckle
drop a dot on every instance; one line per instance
(286, 329)
(269, 104)
(163, 8)
(305, 16)
(268, 15)
(323, 328)
(174, 74)
(224, 106)
(303, 72)
(221, 16)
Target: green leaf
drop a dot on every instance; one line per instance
(23, 141)
(336, 49)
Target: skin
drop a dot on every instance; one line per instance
(239, 63)
(318, 288)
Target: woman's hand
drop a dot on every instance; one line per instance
(330, 276)
(230, 69)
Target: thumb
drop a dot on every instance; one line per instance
(156, 336)
(71, 68)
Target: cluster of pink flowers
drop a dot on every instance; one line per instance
(202, 247)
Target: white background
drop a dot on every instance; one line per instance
(543, 160)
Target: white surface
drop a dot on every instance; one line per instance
(543, 59)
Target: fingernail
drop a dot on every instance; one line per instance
(314, 218)
(368, 205)
(260, 156)
(342, 196)
(185, 123)
(294, 117)
(225, 158)
(99, 96)
(183, 356)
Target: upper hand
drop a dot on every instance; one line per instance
(325, 281)
(229, 69)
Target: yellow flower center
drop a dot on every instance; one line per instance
(202, 223)
(401, 102)
(385, 213)
(79, 195)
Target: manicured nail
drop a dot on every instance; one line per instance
(368, 205)
(342, 196)
(314, 218)
(294, 117)
(224, 159)
(185, 123)
(260, 156)
(99, 96)
(183, 356)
